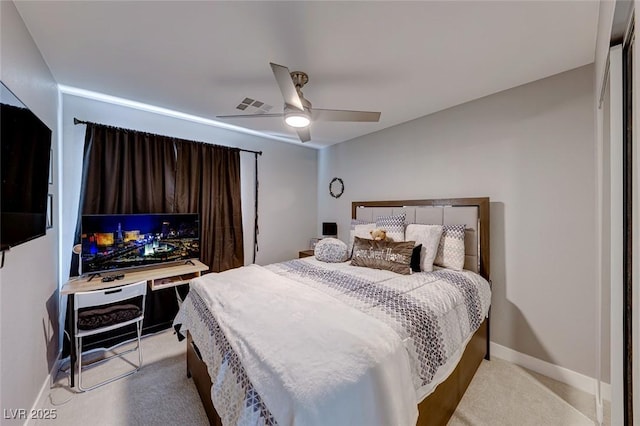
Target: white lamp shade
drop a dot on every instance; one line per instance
(297, 119)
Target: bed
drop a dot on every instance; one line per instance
(309, 342)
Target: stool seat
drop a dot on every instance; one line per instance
(90, 319)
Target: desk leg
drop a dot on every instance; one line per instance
(72, 338)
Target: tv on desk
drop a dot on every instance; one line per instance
(121, 241)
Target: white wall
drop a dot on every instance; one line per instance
(287, 174)
(28, 280)
(532, 150)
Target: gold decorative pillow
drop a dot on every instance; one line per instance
(392, 256)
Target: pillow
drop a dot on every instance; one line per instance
(330, 250)
(388, 255)
(355, 222)
(415, 258)
(394, 225)
(451, 248)
(429, 236)
(364, 230)
(360, 230)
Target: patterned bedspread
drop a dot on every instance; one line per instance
(433, 315)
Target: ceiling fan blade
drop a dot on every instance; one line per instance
(344, 115)
(288, 89)
(304, 134)
(250, 115)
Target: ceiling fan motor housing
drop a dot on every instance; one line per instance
(299, 79)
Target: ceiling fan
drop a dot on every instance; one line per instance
(298, 112)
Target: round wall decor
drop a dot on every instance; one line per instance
(336, 187)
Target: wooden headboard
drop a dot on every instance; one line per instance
(479, 205)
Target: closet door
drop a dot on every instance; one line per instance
(620, 219)
(613, 231)
(631, 229)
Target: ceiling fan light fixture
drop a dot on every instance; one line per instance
(298, 110)
(297, 119)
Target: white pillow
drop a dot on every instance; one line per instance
(330, 250)
(364, 230)
(429, 236)
(361, 231)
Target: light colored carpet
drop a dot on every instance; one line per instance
(502, 393)
(160, 394)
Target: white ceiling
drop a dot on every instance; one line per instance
(405, 59)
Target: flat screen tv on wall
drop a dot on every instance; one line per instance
(121, 241)
(25, 146)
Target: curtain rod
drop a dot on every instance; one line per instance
(76, 122)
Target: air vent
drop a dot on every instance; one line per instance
(254, 107)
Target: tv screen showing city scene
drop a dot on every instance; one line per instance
(111, 242)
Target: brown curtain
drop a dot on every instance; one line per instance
(208, 182)
(126, 171)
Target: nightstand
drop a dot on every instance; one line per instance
(305, 253)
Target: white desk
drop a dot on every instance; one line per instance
(157, 278)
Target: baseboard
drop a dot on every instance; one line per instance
(46, 385)
(605, 390)
(561, 374)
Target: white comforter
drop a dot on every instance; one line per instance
(307, 343)
(312, 360)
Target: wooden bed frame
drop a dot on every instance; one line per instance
(438, 407)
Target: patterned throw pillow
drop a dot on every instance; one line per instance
(394, 225)
(330, 250)
(429, 236)
(395, 257)
(451, 249)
